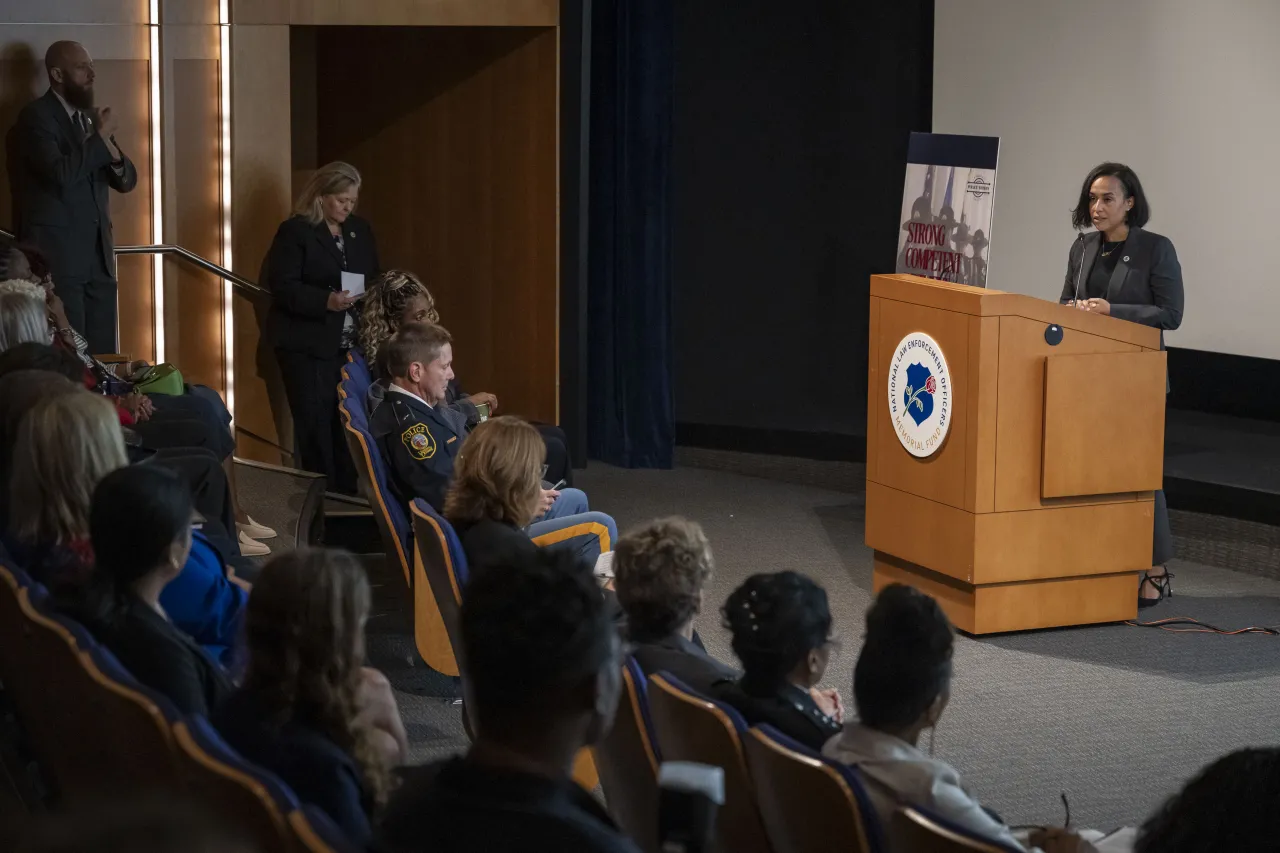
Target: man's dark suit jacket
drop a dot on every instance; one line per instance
(303, 267)
(687, 660)
(60, 186)
(419, 443)
(1146, 285)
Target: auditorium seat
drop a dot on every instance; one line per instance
(104, 735)
(359, 373)
(315, 832)
(374, 478)
(918, 829)
(809, 802)
(627, 760)
(692, 727)
(24, 680)
(439, 571)
(237, 791)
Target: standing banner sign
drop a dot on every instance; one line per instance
(947, 206)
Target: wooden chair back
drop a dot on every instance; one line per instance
(627, 760)
(691, 727)
(916, 829)
(807, 800)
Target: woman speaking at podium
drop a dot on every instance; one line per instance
(1132, 274)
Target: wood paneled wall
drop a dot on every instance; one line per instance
(400, 13)
(120, 47)
(455, 133)
(461, 177)
(261, 198)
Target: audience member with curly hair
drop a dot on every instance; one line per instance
(660, 570)
(542, 677)
(781, 626)
(397, 298)
(901, 686)
(22, 317)
(140, 525)
(308, 709)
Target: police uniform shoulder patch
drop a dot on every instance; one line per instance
(419, 441)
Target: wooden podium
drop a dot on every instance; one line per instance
(1035, 509)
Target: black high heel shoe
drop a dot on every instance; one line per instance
(1162, 585)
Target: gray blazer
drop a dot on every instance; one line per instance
(1146, 285)
(60, 190)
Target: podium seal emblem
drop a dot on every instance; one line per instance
(920, 395)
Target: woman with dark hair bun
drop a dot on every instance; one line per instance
(781, 628)
(1124, 271)
(901, 686)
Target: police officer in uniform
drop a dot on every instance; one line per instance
(420, 437)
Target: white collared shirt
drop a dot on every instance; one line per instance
(408, 393)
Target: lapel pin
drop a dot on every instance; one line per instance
(1126, 257)
(353, 236)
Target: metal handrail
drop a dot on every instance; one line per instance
(239, 282)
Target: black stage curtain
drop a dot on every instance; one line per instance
(631, 409)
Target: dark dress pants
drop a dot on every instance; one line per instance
(559, 467)
(196, 407)
(319, 442)
(91, 307)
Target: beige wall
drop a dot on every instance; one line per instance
(1184, 91)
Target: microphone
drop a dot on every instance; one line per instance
(1080, 268)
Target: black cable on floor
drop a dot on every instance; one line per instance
(1188, 625)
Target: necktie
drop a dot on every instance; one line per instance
(83, 124)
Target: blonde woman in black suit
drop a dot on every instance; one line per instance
(311, 324)
(1123, 271)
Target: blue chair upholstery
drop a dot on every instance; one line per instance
(80, 704)
(388, 512)
(628, 760)
(316, 832)
(692, 727)
(806, 799)
(916, 828)
(440, 571)
(359, 371)
(239, 792)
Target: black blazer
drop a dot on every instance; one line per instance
(302, 268)
(60, 186)
(789, 709)
(1146, 285)
(687, 660)
(489, 543)
(163, 658)
(315, 767)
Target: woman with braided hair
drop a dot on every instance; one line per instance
(398, 297)
(781, 628)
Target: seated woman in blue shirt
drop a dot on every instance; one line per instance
(308, 710)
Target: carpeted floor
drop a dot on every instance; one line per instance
(1117, 717)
